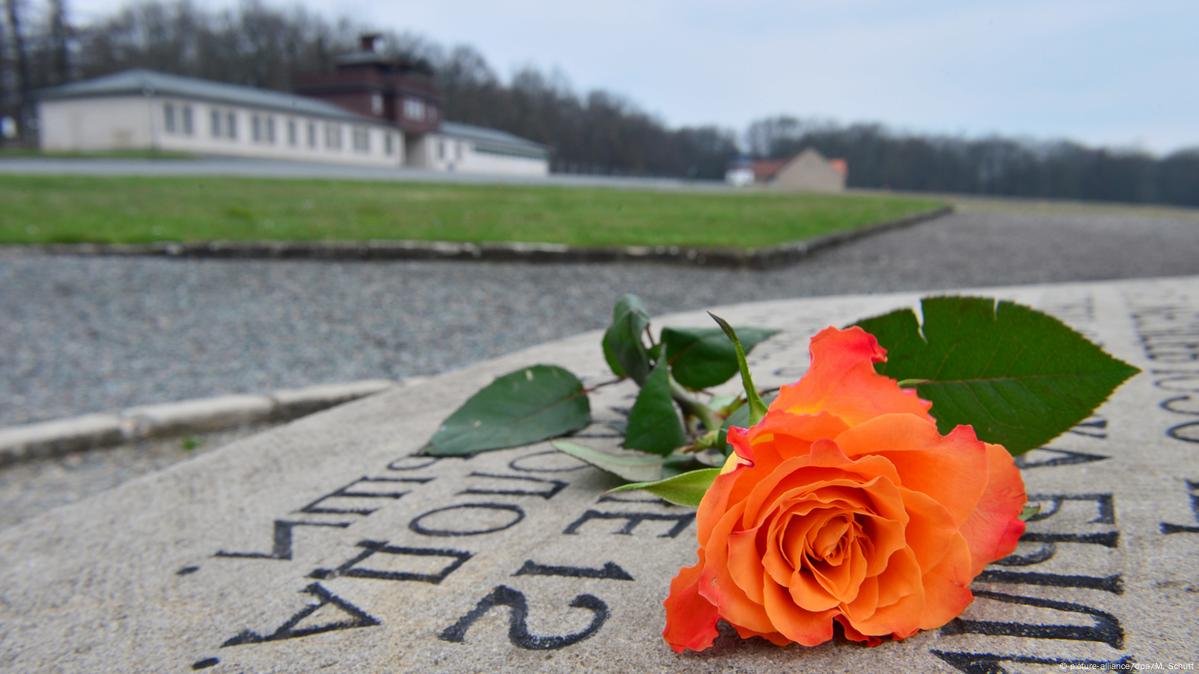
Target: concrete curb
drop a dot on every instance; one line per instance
(92, 431)
(759, 258)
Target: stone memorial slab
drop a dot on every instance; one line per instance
(326, 545)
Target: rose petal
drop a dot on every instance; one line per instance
(900, 600)
(994, 528)
(717, 585)
(806, 590)
(807, 488)
(952, 469)
(854, 635)
(946, 587)
(829, 535)
(881, 537)
(842, 582)
(829, 453)
(690, 619)
(745, 563)
(780, 436)
(809, 628)
(824, 466)
(842, 381)
(714, 503)
(742, 444)
(866, 603)
(779, 561)
(930, 532)
(808, 593)
(773, 637)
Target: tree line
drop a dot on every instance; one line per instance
(597, 131)
(879, 158)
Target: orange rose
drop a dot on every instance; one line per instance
(845, 504)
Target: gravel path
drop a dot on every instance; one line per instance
(88, 334)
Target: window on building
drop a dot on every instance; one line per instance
(168, 117)
(188, 126)
(256, 128)
(389, 147)
(332, 136)
(311, 134)
(270, 129)
(441, 149)
(292, 137)
(376, 104)
(214, 123)
(362, 139)
(458, 149)
(414, 108)
(231, 125)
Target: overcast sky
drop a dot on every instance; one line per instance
(1102, 72)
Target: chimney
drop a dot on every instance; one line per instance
(367, 41)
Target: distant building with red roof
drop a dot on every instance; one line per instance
(807, 171)
(766, 169)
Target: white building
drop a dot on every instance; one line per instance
(474, 149)
(147, 110)
(740, 173)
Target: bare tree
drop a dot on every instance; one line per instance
(60, 37)
(3, 87)
(24, 112)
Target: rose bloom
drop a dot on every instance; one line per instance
(845, 504)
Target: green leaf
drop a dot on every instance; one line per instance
(757, 409)
(629, 465)
(1018, 376)
(685, 489)
(654, 352)
(654, 424)
(703, 357)
(519, 408)
(623, 348)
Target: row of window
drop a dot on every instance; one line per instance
(222, 124)
(443, 149)
(414, 108)
(173, 125)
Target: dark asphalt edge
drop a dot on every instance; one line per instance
(760, 258)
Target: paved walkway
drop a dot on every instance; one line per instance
(92, 334)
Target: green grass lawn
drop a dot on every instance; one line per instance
(60, 209)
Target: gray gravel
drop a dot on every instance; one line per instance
(89, 334)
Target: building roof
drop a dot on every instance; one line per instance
(494, 140)
(149, 82)
(766, 169)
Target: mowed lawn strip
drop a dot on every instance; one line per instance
(70, 209)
